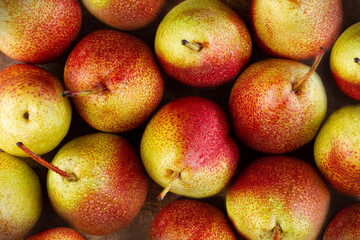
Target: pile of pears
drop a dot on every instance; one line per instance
(191, 117)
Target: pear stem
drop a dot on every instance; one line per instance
(298, 84)
(357, 60)
(167, 188)
(70, 176)
(193, 46)
(98, 89)
(277, 232)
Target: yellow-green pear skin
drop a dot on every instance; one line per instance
(337, 150)
(345, 61)
(32, 110)
(186, 144)
(21, 199)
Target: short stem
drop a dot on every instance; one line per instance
(357, 60)
(98, 89)
(193, 46)
(167, 188)
(297, 84)
(277, 232)
(70, 176)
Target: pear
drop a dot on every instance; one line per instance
(114, 80)
(186, 148)
(32, 109)
(38, 31)
(58, 233)
(337, 150)
(202, 43)
(190, 219)
(278, 105)
(125, 14)
(295, 29)
(21, 199)
(345, 225)
(96, 182)
(345, 61)
(278, 197)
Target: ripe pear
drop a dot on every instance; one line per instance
(186, 148)
(278, 105)
(58, 233)
(278, 197)
(96, 182)
(294, 29)
(191, 220)
(345, 225)
(114, 80)
(125, 14)
(337, 150)
(32, 109)
(38, 31)
(345, 61)
(21, 199)
(202, 43)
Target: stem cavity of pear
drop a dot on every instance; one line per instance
(357, 60)
(69, 176)
(318, 58)
(97, 89)
(193, 46)
(277, 232)
(175, 176)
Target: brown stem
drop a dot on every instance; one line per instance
(70, 176)
(298, 84)
(357, 60)
(277, 232)
(98, 89)
(167, 188)
(193, 46)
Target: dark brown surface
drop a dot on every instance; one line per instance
(138, 228)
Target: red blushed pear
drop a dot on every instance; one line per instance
(186, 148)
(294, 29)
(38, 31)
(202, 43)
(277, 105)
(278, 197)
(59, 233)
(114, 80)
(345, 61)
(345, 225)
(96, 182)
(191, 220)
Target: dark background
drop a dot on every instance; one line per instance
(138, 228)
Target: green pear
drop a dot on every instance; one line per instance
(202, 43)
(295, 29)
(345, 61)
(337, 150)
(114, 80)
(32, 109)
(191, 220)
(186, 148)
(96, 182)
(21, 199)
(38, 31)
(278, 197)
(58, 233)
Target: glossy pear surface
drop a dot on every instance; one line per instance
(58, 233)
(32, 109)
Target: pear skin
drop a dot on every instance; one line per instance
(58, 233)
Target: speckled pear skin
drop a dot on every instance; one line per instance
(127, 68)
(192, 220)
(125, 14)
(111, 187)
(32, 110)
(267, 115)
(21, 200)
(345, 225)
(190, 136)
(226, 41)
(337, 150)
(38, 31)
(58, 233)
(295, 29)
(278, 190)
(345, 70)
